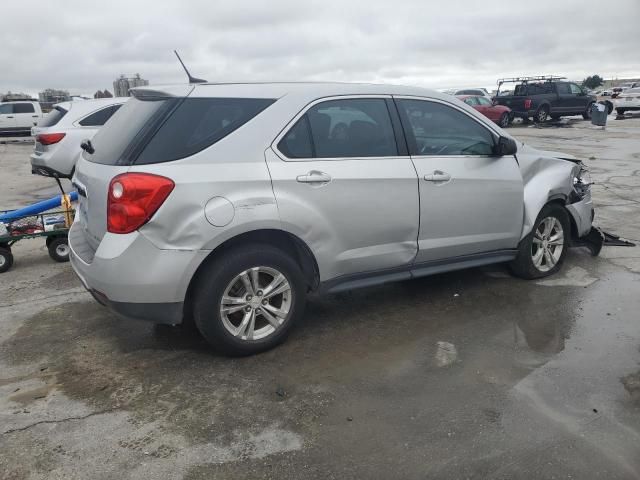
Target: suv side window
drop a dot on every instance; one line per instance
(342, 129)
(563, 88)
(575, 89)
(437, 129)
(23, 108)
(6, 109)
(100, 117)
(352, 128)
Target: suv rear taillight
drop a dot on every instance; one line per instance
(49, 138)
(527, 103)
(133, 199)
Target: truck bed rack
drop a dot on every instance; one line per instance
(539, 78)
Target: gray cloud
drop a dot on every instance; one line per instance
(69, 44)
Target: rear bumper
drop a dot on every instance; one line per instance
(45, 164)
(132, 277)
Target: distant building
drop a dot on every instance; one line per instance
(9, 97)
(51, 96)
(103, 94)
(122, 85)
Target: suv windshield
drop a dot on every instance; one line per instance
(161, 129)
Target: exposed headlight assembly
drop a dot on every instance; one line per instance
(582, 182)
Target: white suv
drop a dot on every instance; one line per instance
(59, 134)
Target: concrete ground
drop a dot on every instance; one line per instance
(473, 374)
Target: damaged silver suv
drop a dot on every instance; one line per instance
(229, 203)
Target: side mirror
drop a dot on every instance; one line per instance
(505, 146)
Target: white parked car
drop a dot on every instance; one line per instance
(482, 92)
(59, 134)
(19, 116)
(628, 100)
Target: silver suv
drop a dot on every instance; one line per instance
(229, 203)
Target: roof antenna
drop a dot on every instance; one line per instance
(191, 79)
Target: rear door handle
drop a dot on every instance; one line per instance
(437, 176)
(314, 176)
(34, 116)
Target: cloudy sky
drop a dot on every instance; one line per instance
(83, 45)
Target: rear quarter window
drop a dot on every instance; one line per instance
(53, 117)
(100, 117)
(198, 123)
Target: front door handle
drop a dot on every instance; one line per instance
(437, 176)
(314, 176)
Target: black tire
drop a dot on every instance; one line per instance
(541, 114)
(523, 265)
(587, 113)
(620, 111)
(504, 120)
(609, 106)
(58, 249)
(6, 259)
(216, 278)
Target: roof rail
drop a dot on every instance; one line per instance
(547, 78)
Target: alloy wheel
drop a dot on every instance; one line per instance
(548, 244)
(256, 303)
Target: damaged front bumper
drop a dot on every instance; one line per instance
(598, 238)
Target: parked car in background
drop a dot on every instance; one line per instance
(19, 116)
(59, 134)
(231, 202)
(494, 112)
(628, 101)
(474, 91)
(541, 97)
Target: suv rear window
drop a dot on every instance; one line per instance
(53, 117)
(159, 129)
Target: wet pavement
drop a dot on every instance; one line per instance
(471, 374)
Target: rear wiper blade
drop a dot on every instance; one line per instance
(87, 147)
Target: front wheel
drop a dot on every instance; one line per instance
(542, 252)
(249, 300)
(587, 113)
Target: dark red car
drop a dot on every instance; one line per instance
(498, 113)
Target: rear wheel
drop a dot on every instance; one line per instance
(541, 114)
(59, 249)
(6, 259)
(504, 120)
(542, 252)
(587, 113)
(249, 300)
